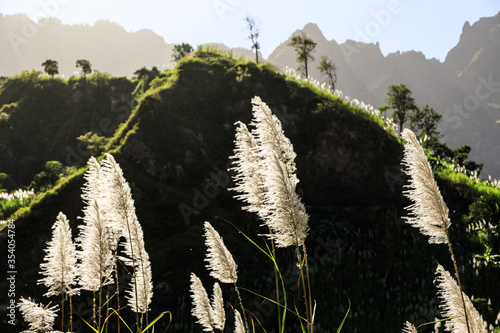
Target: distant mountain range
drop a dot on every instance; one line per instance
(465, 88)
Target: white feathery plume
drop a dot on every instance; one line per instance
(59, 266)
(40, 318)
(452, 307)
(220, 261)
(286, 216)
(428, 212)
(142, 286)
(96, 258)
(409, 328)
(265, 166)
(91, 188)
(95, 189)
(246, 163)
(239, 326)
(120, 208)
(270, 137)
(202, 309)
(219, 315)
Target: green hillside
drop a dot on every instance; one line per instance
(173, 136)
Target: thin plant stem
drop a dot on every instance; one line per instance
(276, 281)
(458, 280)
(62, 311)
(242, 308)
(93, 309)
(70, 313)
(107, 308)
(308, 314)
(100, 304)
(309, 289)
(117, 294)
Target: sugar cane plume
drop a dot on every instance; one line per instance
(219, 315)
(452, 306)
(246, 162)
(98, 236)
(59, 266)
(286, 215)
(95, 256)
(40, 318)
(409, 328)
(95, 189)
(92, 187)
(264, 162)
(140, 296)
(239, 326)
(120, 208)
(220, 261)
(269, 135)
(202, 309)
(428, 212)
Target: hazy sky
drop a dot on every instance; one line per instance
(430, 26)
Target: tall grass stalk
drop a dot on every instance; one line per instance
(264, 162)
(121, 209)
(428, 212)
(453, 297)
(221, 264)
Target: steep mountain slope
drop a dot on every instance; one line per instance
(475, 115)
(41, 118)
(474, 53)
(174, 151)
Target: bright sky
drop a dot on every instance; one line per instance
(430, 26)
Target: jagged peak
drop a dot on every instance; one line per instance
(466, 27)
(313, 31)
(312, 28)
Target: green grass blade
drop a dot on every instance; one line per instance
(300, 319)
(107, 318)
(92, 327)
(156, 319)
(345, 317)
(123, 321)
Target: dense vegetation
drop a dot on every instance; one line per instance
(173, 132)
